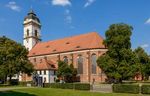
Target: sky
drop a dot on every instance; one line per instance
(63, 18)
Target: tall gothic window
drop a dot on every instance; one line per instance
(93, 63)
(65, 59)
(27, 32)
(80, 64)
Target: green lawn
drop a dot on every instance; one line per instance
(57, 92)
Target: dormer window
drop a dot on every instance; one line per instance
(54, 50)
(77, 46)
(47, 46)
(67, 42)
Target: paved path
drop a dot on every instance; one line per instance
(12, 88)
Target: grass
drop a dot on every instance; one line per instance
(57, 92)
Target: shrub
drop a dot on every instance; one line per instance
(55, 85)
(25, 83)
(82, 86)
(4, 85)
(67, 86)
(14, 82)
(62, 85)
(77, 86)
(126, 88)
(145, 89)
(46, 85)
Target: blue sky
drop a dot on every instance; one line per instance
(63, 18)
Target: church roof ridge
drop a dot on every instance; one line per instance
(74, 43)
(70, 37)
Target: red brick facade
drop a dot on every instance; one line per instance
(87, 76)
(85, 46)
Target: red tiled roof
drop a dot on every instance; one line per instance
(85, 41)
(45, 65)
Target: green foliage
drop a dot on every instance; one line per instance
(82, 86)
(13, 58)
(4, 85)
(65, 71)
(145, 89)
(55, 85)
(143, 62)
(22, 83)
(14, 82)
(126, 88)
(76, 86)
(119, 63)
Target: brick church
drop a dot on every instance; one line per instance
(81, 50)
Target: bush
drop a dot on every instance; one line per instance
(46, 85)
(145, 89)
(25, 83)
(14, 82)
(67, 86)
(62, 85)
(4, 85)
(126, 88)
(82, 86)
(77, 86)
(55, 85)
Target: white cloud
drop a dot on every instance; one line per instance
(145, 45)
(61, 2)
(88, 3)
(13, 6)
(68, 17)
(147, 21)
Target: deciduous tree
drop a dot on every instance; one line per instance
(119, 62)
(143, 62)
(13, 58)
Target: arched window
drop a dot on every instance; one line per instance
(36, 33)
(93, 63)
(65, 59)
(80, 64)
(27, 32)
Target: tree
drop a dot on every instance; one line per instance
(13, 58)
(65, 71)
(119, 62)
(143, 62)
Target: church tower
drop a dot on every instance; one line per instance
(32, 30)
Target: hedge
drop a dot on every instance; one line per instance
(145, 89)
(4, 85)
(126, 88)
(76, 86)
(25, 83)
(82, 86)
